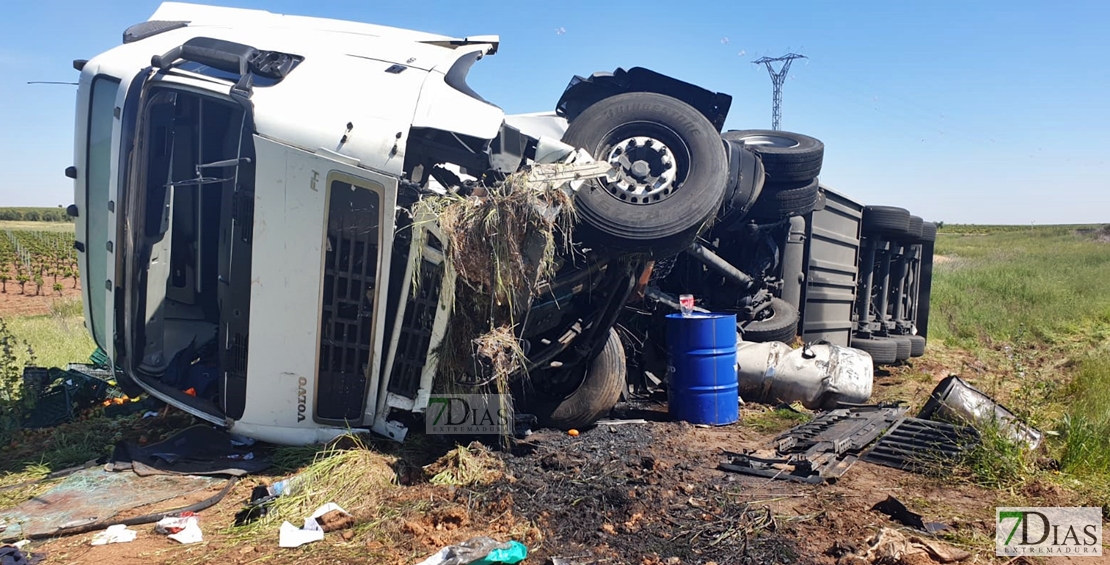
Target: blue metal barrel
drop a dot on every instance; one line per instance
(703, 386)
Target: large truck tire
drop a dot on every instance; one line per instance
(787, 157)
(779, 324)
(600, 390)
(914, 228)
(883, 351)
(905, 346)
(928, 232)
(885, 220)
(917, 345)
(673, 173)
(776, 203)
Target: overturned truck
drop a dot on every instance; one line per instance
(264, 239)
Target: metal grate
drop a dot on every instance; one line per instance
(237, 355)
(913, 444)
(347, 308)
(416, 330)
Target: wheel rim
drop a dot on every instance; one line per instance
(770, 140)
(649, 161)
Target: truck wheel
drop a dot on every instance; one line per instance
(776, 203)
(788, 157)
(885, 220)
(600, 390)
(780, 324)
(914, 228)
(882, 351)
(905, 346)
(671, 173)
(928, 232)
(917, 345)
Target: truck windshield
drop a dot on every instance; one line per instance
(98, 165)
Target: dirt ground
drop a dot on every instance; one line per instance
(14, 303)
(639, 493)
(643, 493)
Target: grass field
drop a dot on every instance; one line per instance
(55, 340)
(16, 225)
(1035, 302)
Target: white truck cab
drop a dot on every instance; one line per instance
(242, 187)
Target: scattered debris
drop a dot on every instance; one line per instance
(891, 547)
(820, 450)
(895, 509)
(11, 555)
(479, 551)
(315, 526)
(183, 528)
(956, 401)
(117, 533)
(602, 423)
(917, 445)
(59, 394)
(90, 499)
(197, 450)
(292, 536)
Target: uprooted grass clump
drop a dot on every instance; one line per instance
(469, 465)
(347, 473)
(500, 241)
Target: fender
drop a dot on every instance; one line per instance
(582, 93)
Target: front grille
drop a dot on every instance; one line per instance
(347, 308)
(416, 330)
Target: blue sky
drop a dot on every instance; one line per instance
(984, 112)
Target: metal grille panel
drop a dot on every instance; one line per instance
(347, 309)
(416, 330)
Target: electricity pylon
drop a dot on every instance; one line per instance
(777, 78)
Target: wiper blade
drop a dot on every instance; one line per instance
(201, 179)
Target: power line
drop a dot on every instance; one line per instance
(777, 79)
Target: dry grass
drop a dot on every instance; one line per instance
(466, 466)
(501, 240)
(356, 478)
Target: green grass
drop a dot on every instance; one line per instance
(1034, 302)
(1086, 426)
(55, 340)
(1047, 282)
(774, 421)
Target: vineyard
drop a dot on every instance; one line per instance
(37, 262)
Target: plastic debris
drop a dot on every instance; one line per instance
(895, 509)
(292, 536)
(241, 441)
(892, 546)
(479, 551)
(184, 528)
(117, 533)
